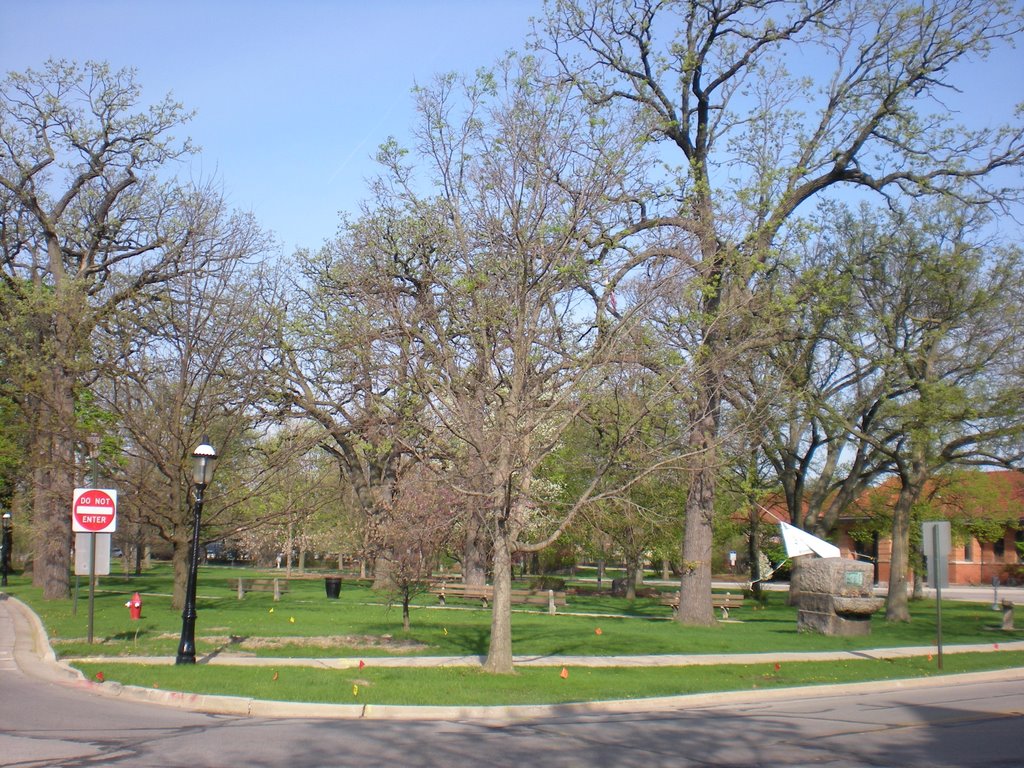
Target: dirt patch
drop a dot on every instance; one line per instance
(239, 644)
(355, 642)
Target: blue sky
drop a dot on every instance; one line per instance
(293, 98)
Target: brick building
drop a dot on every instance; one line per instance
(986, 512)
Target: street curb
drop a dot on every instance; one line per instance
(32, 651)
(36, 657)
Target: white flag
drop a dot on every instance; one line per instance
(800, 542)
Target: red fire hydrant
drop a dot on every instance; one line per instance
(135, 607)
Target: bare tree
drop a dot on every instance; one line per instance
(181, 367)
(415, 531)
(340, 363)
(501, 295)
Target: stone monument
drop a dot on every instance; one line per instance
(836, 597)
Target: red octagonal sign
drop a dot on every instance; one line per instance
(94, 510)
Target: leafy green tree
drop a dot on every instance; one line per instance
(939, 310)
(983, 505)
(762, 106)
(635, 518)
(89, 222)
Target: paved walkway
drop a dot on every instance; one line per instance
(659, 660)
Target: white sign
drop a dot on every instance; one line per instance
(102, 555)
(94, 510)
(800, 542)
(936, 540)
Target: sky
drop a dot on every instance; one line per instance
(292, 98)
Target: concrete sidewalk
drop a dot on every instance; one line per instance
(658, 660)
(24, 642)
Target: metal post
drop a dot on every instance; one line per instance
(92, 582)
(938, 594)
(187, 646)
(6, 540)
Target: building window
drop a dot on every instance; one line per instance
(999, 548)
(969, 551)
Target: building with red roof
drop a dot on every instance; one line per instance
(985, 511)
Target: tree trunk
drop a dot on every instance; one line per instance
(897, 603)
(633, 575)
(54, 487)
(918, 585)
(382, 573)
(754, 553)
(695, 607)
(474, 552)
(288, 553)
(180, 563)
(57, 432)
(499, 651)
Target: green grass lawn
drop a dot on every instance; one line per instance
(305, 623)
(462, 686)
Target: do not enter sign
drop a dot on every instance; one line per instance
(94, 510)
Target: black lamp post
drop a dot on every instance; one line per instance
(6, 541)
(204, 459)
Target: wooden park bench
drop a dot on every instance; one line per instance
(548, 597)
(452, 577)
(277, 586)
(482, 592)
(724, 601)
(485, 593)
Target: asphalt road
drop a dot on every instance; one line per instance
(49, 719)
(46, 724)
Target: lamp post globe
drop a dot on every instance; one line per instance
(204, 461)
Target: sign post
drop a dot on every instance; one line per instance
(93, 511)
(935, 538)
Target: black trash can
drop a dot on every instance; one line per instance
(333, 586)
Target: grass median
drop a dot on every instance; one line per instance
(462, 686)
(363, 625)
